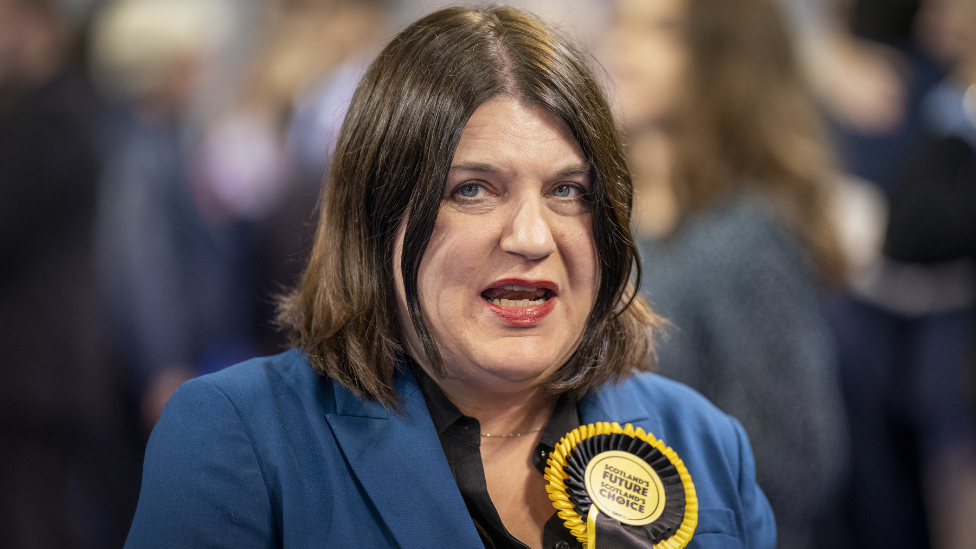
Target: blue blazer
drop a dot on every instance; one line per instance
(270, 454)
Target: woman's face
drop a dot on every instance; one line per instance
(510, 274)
(649, 59)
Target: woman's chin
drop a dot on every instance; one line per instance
(517, 368)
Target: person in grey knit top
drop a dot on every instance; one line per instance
(732, 188)
(746, 332)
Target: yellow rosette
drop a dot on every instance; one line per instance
(621, 487)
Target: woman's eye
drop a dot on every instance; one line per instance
(563, 191)
(470, 190)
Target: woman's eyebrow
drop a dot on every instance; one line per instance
(575, 169)
(475, 167)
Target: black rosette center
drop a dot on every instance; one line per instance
(667, 523)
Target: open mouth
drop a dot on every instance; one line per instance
(515, 295)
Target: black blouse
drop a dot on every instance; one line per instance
(460, 437)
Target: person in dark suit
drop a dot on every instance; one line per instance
(467, 303)
(69, 461)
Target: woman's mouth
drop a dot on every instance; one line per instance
(521, 303)
(514, 295)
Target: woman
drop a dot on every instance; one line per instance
(732, 182)
(466, 304)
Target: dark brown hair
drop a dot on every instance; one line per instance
(393, 156)
(747, 120)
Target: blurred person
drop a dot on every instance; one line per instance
(68, 478)
(868, 78)
(176, 261)
(313, 92)
(898, 365)
(858, 81)
(262, 157)
(931, 274)
(301, 86)
(908, 327)
(732, 190)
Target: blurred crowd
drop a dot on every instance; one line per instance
(805, 204)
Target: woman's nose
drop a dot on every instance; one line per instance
(529, 234)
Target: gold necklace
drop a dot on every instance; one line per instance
(512, 434)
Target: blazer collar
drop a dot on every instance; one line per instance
(399, 462)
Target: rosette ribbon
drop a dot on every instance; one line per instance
(621, 488)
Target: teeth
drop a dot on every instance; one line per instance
(518, 302)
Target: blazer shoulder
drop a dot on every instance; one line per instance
(258, 379)
(672, 401)
(675, 413)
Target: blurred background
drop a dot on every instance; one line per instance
(805, 204)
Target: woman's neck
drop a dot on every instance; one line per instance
(499, 412)
(515, 487)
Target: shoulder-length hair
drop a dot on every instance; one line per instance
(748, 120)
(393, 156)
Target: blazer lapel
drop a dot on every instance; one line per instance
(399, 461)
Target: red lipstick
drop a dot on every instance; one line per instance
(518, 290)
